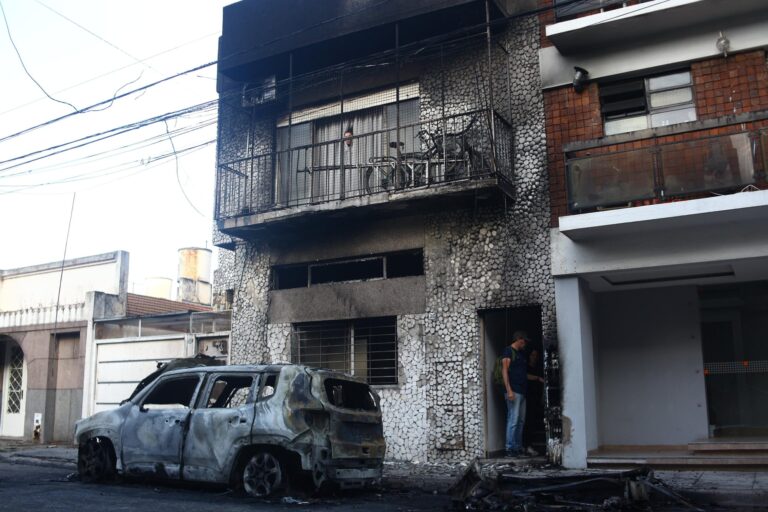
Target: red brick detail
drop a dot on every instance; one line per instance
(721, 85)
(733, 85)
(546, 18)
(144, 305)
(570, 116)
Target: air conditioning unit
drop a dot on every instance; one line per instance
(259, 93)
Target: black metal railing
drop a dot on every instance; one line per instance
(428, 153)
(678, 170)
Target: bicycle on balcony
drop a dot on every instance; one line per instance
(450, 153)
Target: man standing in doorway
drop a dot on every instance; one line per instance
(515, 375)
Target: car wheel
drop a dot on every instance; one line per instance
(95, 461)
(262, 475)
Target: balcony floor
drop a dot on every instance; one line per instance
(450, 195)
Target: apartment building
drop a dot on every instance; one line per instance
(382, 203)
(657, 136)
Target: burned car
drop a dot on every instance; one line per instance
(252, 427)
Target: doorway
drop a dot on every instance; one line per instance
(734, 334)
(14, 387)
(497, 326)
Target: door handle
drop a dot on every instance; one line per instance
(234, 419)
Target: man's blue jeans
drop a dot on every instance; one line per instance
(515, 422)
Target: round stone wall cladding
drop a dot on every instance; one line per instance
(494, 255)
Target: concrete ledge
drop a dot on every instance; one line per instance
(710, 211)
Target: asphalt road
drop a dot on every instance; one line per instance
(32, 487)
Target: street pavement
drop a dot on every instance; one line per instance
(35, 471)
(26, 486)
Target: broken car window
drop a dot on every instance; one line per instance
(172, 394)
(350, 395)
(268, 389)
(229, 391)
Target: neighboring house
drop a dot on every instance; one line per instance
(657, 165)
(46, 312)
(382, 202)
(128, 347)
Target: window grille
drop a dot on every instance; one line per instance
(15, 381)
(364, 348)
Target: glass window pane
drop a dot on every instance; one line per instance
(672, 97)
(673, 80)
(683, 115)
(154, 326)
(628, 124)
(117, 329)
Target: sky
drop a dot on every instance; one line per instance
(147, 188)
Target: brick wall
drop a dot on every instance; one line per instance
(731, 86)
(570, 117)
(722, 87)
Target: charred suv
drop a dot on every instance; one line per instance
(252, 427)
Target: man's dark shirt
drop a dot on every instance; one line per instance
(518, 370)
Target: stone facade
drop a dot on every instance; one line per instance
(495, 255)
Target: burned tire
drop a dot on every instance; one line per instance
(96, 461)
(263, 475)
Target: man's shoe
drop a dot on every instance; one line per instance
(530, 451)
(511, 454)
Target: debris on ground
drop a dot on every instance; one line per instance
(290, 500)
(509, 487)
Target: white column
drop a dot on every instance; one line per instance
(573, 301)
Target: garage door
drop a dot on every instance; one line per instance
(120, 365)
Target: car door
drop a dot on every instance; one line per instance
(153, 432)
(219, 426)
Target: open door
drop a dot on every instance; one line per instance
(497, 326)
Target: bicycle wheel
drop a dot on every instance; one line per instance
(401, 176)
(369, 180)
(455, 169)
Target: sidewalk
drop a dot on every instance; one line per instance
(705, 488)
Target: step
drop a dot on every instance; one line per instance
(659, 460)
(729, 445)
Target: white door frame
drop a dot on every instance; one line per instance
(12, 424)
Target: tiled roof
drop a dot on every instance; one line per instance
(144, 305)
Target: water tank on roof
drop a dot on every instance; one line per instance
(159, 287)
(194, 282)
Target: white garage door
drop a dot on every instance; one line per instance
(120, 365)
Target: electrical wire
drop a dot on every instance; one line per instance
(144, 165)
(178, 178)
(21, 61)
(89, 139)
(97, 77)
(112, 152)
(98, 137)
(97, 36)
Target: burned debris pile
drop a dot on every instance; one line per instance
(511, 487)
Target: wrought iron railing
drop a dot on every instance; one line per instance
(603, 177)
(428, 153)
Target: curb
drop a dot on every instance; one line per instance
(37, 461)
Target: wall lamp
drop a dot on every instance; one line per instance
(580, 78)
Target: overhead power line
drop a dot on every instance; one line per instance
(112, 132)
(54, 150)
(21, 61)
(97, 36)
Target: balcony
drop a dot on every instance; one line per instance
(444, 156)
(646, 172)
(644, 21)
